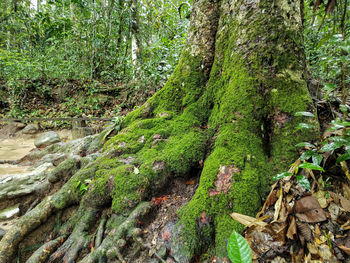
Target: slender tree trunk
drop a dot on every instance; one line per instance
(229, 105)
(136, 43)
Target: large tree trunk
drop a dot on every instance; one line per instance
(230, 102)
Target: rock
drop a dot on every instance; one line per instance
(47, 139)
(31, 128)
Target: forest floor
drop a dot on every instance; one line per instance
(73, 99)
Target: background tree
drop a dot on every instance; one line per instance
(230, 102)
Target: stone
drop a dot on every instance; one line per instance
(32, 128)
(47, 139)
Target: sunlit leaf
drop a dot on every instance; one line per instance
(304, 113)
(304, 182)
(305, 144)
(311, 166)
(281, 176)
(329, 147)
(307, 155)
(301, 126)
(317, 159)
(238, 249)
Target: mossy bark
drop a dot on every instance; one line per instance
(230, 102)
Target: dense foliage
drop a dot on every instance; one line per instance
(328, 46)
(77, 39)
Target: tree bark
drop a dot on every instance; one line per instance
(230, 102)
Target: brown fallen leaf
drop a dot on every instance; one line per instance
(270, 200)
(345, 249)
(278, 205)
(308, 209)
(248, 220)
(345, 203)
(305, 231)
(346, 191)
(292, 229)
(287, 187)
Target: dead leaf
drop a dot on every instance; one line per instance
(308, 209)
(345, 169)
(334, 211)
(345, 203)
(292, 229)
(305, 231)
(317, 231)
(270, 200)
(321, 198)
(287, 187)
(312, 248)
(189, 182)
(346, 191)
(318, 241)
(278, 205)
(248, 221)
(325, 253)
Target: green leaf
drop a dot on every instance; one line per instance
(304, 126)
(329, 147)
(311, 166)
(317, 159)
(304, 182)
(305, 144)
(281, 176)
(343, 157)
(304, 113)
(238, 249)
(307, 155)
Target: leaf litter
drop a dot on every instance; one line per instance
(298, 225)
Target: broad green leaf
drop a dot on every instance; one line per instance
(311, 166)
(304, 126)
(329, 147)
(317, 159)
(281, 176)
(304, 182)
(238, 249)
(307, 155)
(338, 139)
(305, 144)
(304, 113)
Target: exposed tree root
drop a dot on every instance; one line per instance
(125, 229)
(43, 253)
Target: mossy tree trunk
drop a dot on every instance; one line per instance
(230, 102)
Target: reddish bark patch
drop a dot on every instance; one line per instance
(224, 182)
